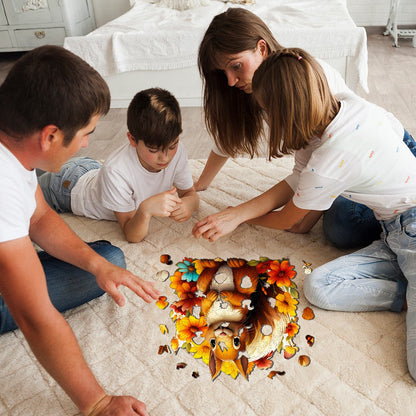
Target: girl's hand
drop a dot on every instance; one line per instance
(217, 225)
(160, 205)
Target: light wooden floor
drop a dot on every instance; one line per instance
(392, 84)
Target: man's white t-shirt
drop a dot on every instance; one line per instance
(336, 85)
(17, 196)
(362, 157)
(122, 183)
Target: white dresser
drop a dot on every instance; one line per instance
(27, 24)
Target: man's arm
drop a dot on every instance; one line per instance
(23, 288)
(50, 232)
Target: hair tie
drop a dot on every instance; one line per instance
(299, 58)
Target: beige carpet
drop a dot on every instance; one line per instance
(358, 362)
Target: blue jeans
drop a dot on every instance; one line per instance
(376, 278)
(348, 224)
(56, 187)
(68, 286)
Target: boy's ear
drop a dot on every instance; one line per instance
(49, 136)
(131, 139)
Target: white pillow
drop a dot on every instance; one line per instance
(183, 4)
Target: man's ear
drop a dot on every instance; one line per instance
(49, 136)
(131, 139)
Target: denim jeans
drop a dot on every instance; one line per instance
(348, 224)
(378, 277)
(56, 187)
(68, 286)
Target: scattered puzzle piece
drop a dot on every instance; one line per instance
(162, 302)
(165, 258)
(162, 349)
(273, 373)
(308, 314)
(310, 340)
(163, 329)
(304, 360)
(162, 275)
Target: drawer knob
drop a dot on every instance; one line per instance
(40, 34)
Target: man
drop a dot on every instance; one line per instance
(50, 103)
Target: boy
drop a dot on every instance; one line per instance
(139, 180)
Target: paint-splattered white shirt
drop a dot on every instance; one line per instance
(362, 157)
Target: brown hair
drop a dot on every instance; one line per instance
(154, 117)
(51, 85)
(292, 88)
(232, 117)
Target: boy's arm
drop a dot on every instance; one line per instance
(189, 203)
(135, 224)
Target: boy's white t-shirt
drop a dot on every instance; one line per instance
(122, 183)
(17, 196)
(336, 85)
(362, 157)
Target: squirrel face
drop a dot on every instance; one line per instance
(226, 340)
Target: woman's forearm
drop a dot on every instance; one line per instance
(212, 167)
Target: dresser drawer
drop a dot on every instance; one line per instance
(32, 38)
(5, 41)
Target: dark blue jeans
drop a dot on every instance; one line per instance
(68, 285)
(350, 225)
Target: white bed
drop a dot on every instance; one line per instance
(152, 45)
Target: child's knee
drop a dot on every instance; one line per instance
(314, 288)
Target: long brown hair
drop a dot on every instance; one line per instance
(232, 117)
(292, 88)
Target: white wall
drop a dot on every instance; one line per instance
(106, 10)
(364, 12)
(376, 12)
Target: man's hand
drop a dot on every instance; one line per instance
(110, 277)
(118, 406)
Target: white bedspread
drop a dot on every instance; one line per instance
(151, 37)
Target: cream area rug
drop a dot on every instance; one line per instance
(357, 361)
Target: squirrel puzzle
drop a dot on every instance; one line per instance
(243, 323)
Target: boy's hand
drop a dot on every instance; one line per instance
(161, 205)
(182, 212)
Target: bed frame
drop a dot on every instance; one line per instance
(128, 51)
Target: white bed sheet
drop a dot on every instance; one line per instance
(153, 38)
